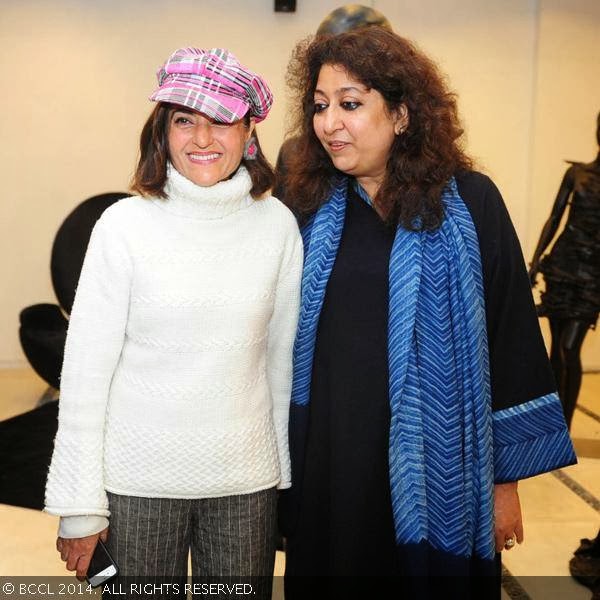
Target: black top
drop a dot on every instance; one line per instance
(345, 515)
(572, 268)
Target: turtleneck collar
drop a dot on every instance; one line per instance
(186, 199)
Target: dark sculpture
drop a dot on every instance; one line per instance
(585, 565)
(349, 17)
(44, 326)
(572, 274)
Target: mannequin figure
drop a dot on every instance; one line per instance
(571, 272)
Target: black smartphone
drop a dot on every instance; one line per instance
(102, 566)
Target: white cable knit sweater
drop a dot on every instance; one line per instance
(177, 373)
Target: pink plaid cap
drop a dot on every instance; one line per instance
(214, 83)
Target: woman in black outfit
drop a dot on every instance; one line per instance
(422, 391)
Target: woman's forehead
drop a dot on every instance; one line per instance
(337, 77)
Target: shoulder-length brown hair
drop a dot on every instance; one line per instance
(150, 174)
(421, 160)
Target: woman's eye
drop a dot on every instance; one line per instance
(350, 105)
(182, 121)
(319, 107)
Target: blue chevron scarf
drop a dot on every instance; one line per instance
(440, 445)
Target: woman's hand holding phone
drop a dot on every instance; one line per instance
(77, 552)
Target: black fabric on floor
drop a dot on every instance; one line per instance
(26, 443)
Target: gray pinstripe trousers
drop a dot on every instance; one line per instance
(229, 537)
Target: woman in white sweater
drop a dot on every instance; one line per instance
(176, 380)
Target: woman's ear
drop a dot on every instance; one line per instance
(401, 119)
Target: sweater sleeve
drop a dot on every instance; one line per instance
(75, 485)
(282, 332)
(78, 526)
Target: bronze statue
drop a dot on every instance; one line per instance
(571, 272)
(349, 17)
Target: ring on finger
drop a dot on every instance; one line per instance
(509, 543)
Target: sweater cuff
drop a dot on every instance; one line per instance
(284, 485)
(530, 439)
(81, 526)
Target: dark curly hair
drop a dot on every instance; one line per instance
(150, 173)
(421, 160)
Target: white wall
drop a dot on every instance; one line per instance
(487, 51)
(566, 104)
(76, 76)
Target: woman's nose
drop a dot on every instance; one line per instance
(203, 135)
(332, 120)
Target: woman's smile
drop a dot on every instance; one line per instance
(203, 157)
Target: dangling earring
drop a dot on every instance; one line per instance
(250, 149)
